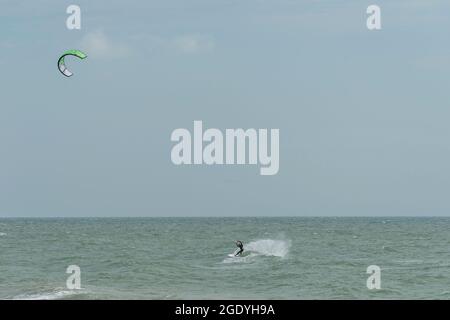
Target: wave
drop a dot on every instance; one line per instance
(2, 234)
(263, 247)
(56, 295)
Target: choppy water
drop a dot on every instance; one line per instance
(186, 258)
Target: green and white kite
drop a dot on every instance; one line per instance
(61, 64)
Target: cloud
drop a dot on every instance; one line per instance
(97, 45)
(185, 44)
(194, 43)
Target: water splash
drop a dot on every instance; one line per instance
(269, 247)
(263, 247)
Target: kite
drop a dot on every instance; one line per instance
(61, 63)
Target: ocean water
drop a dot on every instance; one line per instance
(187, 258)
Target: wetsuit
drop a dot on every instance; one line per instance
(241, 248)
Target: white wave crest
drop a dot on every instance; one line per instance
(47, 295)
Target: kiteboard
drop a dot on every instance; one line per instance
(243, 254)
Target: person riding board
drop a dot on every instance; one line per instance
(241, 248)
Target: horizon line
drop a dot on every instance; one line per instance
(218, 217)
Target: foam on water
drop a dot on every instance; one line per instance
(56, 295)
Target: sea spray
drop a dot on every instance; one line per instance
(269, 247)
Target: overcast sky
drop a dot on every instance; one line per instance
(363, 115)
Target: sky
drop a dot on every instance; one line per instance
(363, 115)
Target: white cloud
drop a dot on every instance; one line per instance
(194, 43)
(97, 45)
(185, 44)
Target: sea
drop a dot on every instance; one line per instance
(188, 258)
